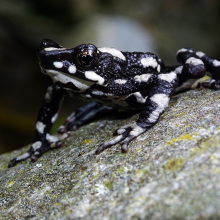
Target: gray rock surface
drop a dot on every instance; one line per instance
(171, 172)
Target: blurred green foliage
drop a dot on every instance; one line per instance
(23, 23)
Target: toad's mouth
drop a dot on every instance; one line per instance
(64, 79)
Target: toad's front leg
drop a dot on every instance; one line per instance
(155, 105)
(45, 120)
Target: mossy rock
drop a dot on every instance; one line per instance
(171, 172)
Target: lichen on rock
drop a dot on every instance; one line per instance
(172, 171)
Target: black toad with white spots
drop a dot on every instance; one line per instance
(137, 82)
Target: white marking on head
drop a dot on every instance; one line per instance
(169, 77)
(194, 61)
(72, 69)
(63, 78)
(40, 126)
(94, 77)
(143, 77)
(139, 97)
(120, 81)
(200, 54)
(114, 52)
(216, 63)
(54, 48)
(162, 101)
(36, 145)
(149, 62)
(58, 64)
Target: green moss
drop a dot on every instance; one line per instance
(204, 145)
(203, 79)
(185, 137)
(4, 166)
(141, 175)
(94, 177)
(174, 164)
(108, 184)
(140, 172)
(10, 184)
(120, 170)
(216, 170)
(181, 113)
(87, 141)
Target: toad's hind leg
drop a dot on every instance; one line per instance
(196, 65)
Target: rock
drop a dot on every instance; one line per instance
(171, 172)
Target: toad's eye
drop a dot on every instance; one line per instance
(86, 59)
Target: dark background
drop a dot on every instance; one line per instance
(163, 26)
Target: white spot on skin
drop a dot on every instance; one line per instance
(88, 96)
(216, 63)
(54, 118)
(48, 95)
(194, 61)
(137, 130)
(36, 145)
(169, 77)
(183, 50)
(120, 81)
(97, 92)
(58, 64)
(40, 126)
(162, 101)
(23, 156)
(200, 54)
(94, 77)
(143, 77)
(178, 70)
(54, 48)
(61, 77)
(158, 68)
(114, 141)
(51, 138)
(121, 131)
(110, 96)
(149, 62)
(139, 97)
(114, 52)
(72, 69)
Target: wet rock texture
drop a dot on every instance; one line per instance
(171, 172)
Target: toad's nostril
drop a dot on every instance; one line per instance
(49, 43)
